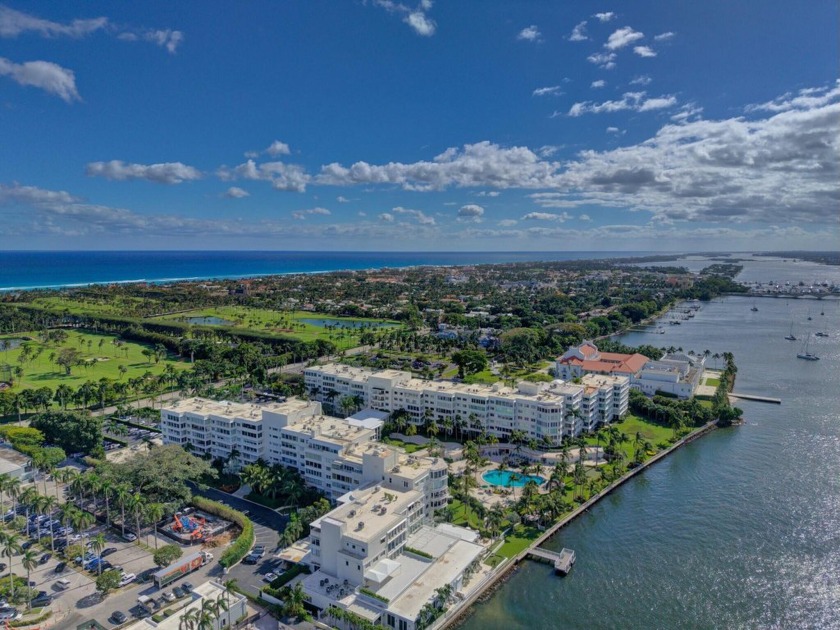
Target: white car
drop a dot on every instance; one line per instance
(169, 596)
(127, 578)
(129, 537)
(270, 577)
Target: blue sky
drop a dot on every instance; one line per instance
(381, 125)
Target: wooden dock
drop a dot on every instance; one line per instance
(562, 560)
(764, 399)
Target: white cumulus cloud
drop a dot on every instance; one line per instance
(598, 84)
(471, 212)
(632, 101)
(165, 173)
(644, 51)
(278, 148)
(44, 75)
(530, 34)
(234, 192)
(664, 37)
(605, 17)
(623, 37)
(603, 60)
(579, 33)
(13, 23)
(551, 90)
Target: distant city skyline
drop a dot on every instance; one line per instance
(377, 125)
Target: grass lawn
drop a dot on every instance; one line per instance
(104, 358)
(630, 425)
(493, 560)
(462, 515)
(518, 541)
(115, 305)
(303, 325)
(712, 382)
(407, 446)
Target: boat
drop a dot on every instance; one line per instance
(807, 355)
(791, 336)
(754, 308)
(660, 331)
(821, 334)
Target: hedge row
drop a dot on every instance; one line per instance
(242, 545)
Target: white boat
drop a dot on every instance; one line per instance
(791, 336)
(807, 355)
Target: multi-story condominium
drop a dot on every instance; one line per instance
(605, 398)
(676, 374)
(375, 556)
(334, 455)
(547, 412)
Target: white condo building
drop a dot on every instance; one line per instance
(376, 557)
(334, 455)
(542, 411)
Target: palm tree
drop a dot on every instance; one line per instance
(29, 560)
(10, 546)
(13, 488)
(97, 544)
(229, 588)
(123, 495)
(189, 620)
(49, 505)
(4, 485)
(69, 516)
(154, 513)
(106, 487)
(136, 505)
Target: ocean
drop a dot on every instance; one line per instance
(39, 269)
(738, 530)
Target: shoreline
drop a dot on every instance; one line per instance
(537, 258)
(485, 591)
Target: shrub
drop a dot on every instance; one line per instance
(28, 622)
(375, 595)
(242, 545)
(166, 555)
(418, 552)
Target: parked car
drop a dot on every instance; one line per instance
(187, 586)
(2, 566)
(179, 592)
(258, 551)
(129, 537)
(45, 558)
(168, 596)
(41, 599)
(108, 551)
(9, 614)
(270, 577)
(63, 584)
(59, 568)
(127, 578)
(250, 559)
(118, 617)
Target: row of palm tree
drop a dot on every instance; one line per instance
(204, 617)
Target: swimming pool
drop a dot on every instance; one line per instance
(509, 479)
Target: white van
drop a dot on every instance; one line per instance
(63, 584)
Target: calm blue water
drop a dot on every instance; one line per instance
(506, 478)
(29, 270)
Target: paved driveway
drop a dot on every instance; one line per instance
(267, 527)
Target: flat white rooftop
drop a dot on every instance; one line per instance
(247, 411)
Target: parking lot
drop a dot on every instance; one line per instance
(80, 601)
(267, 527)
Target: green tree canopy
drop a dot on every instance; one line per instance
(166, 555)
(71, 430)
